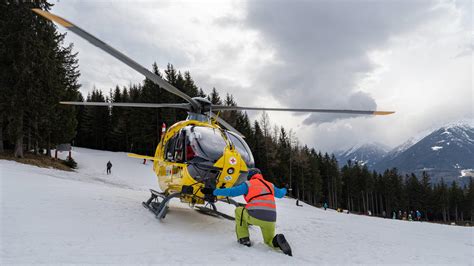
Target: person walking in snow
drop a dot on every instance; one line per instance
(325, 205)
(298, 203)
(109, 167)
(418, 215)
(260, 209)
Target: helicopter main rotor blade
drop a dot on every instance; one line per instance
(226, 125)
(339, 111)
(149, 105)
(120, 56)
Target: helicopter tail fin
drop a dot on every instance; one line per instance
(138, 156)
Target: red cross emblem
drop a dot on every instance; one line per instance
(232, 160)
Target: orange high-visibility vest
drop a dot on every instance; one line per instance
(260, 194)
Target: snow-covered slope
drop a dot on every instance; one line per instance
(84, 217)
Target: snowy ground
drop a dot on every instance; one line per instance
(86, 217)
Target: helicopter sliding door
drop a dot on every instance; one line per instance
(174, 148)
(171, 169)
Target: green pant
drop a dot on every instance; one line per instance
(242, 221)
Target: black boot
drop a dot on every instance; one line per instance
(245, 241)
(279, 241)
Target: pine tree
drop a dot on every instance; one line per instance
(426, 197)
(456, 198)
(201, 93)
(96, 122)
(413, 192)
(38, 72)
(169, 115)
(118, 134)
(17, 54)
(151, 119)
(214, 97)
(189, 87)
(470, 199)
(232, 115)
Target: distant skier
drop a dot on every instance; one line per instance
(418, 215)
(410, 217)
(394, 215)
(298, 203)
(260, 209)
(325, 205)
(109, 167)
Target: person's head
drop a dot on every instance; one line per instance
(252, 172)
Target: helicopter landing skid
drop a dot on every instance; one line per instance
(212, 211)
(160, 209)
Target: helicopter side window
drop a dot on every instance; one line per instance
(179, 147)
(242, 148)
(170, 148)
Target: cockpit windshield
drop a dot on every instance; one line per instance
(209, 143)
(206, 142)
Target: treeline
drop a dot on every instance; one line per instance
(36, 72)
(390, 193)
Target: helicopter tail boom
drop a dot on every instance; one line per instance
(138, 156)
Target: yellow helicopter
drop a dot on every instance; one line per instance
(194, 153)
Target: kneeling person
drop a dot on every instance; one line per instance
(260, 209)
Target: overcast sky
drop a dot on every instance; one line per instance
(412, 57)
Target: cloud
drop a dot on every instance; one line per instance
(357, 101)
(177, 32)
(324, 47)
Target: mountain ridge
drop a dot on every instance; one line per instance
(446, 152)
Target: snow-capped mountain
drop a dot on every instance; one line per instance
(443, 154)
(405, 146)
(366, 154)
(446, 152)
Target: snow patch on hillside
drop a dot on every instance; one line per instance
(467, 172)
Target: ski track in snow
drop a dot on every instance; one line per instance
(86, 217)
